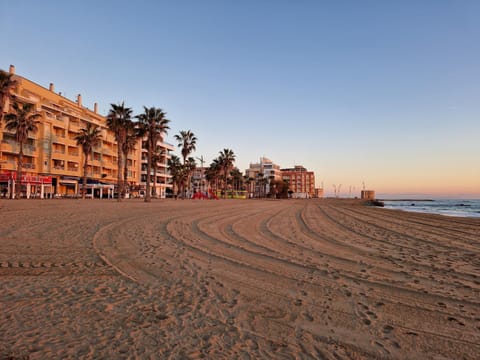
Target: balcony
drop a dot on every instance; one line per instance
(13, 147)
(57, 136)
(74, 152)
(28, 165)
(61, 118)
(72, 166)
(73, 126)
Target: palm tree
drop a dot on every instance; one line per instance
(131, 139)
(87, 138)
(175, 169)
(226, 160)
(21, 121)
(237, 179)
(189, 168)
(187, 141)
(262, 183)
(117, 121)
(152, 124)
(212, 174)
(7, 83)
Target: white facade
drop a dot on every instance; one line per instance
(263, 172)
(162, 182)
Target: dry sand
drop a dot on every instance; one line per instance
(290, 279)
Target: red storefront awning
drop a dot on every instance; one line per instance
(26, 179)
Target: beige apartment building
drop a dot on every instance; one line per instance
(161, 179)
(261, 174)
(53, 162)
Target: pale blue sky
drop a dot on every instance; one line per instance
(381, 92)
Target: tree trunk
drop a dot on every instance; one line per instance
(149, 166)
(119, 172)
(84, 186)
(225, 183)
(18, 187)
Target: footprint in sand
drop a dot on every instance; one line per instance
(387, 329)
(308, 316)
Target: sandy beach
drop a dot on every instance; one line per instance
(256, 279)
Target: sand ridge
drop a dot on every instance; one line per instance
(306, 279)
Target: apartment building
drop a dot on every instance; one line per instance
(301, 181)
(261, 174)
(161, 178)
(199, 181)
(53, 163)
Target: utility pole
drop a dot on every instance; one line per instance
(202, 173)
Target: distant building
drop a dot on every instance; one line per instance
(162, 182)
(318, 192)
(199, 181)
(260, 174)
(368, 195)
(301, 181)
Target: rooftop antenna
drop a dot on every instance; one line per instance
(363, 183)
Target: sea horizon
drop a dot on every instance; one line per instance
(426, 196)
(445, 206)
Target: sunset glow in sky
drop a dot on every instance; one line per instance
(377, 92)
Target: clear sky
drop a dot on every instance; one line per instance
(381, 92)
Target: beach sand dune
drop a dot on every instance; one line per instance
(289, 279)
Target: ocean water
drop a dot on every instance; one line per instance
(465, 208)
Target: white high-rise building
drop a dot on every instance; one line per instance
(260, 175)
(161, 183)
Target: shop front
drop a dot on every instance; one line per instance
(32, 186)
(97, 190)
(67, 186)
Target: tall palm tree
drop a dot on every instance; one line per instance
(131, 139)
(7, 83)
(87, 138)
(212, 173)
(187, 141)
(189, 168)
(237, 179)
(262, 182)
(226, 160)
(117, 121)
(22, 121)
(152, 124)
(175, 168)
